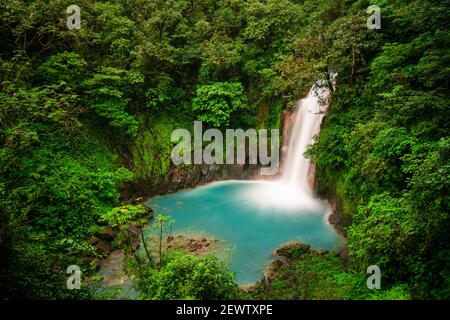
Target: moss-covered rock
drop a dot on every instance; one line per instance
(293, 250)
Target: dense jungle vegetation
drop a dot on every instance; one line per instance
(83, 111)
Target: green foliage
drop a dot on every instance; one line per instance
(67, 67)
(161, 224)
(106, 93)
(216, 103)
(110, 33)
(312, 276)
(151, 150)
(183, 276)
(39, 272)
(398, 292)
(386, 133)
(378, 235)
(124, 217)
(123, 220)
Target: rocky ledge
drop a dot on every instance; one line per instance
(284, 255)
(111, 268)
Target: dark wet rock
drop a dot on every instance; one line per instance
(265, 281)
(180, 178)
(107, 234)
(134, 230)
(235, 170)
(336, 218)
(271, 274)
(148, 211)
(204, 169)
(280, 263)
(103, 247)
(277, 264)
(93, 240)
(321, 252)
(213, 172)
(250, 289)
(343, 254)
(88, 261)
(135, 244)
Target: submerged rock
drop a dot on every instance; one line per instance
(196, 245)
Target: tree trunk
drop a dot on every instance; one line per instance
(160, 243)
(145, 247)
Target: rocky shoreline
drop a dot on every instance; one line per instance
(182, 178)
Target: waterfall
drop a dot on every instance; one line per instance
(293, 190)
(308, 118)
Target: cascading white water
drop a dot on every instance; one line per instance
(308, 118)
(293, 189)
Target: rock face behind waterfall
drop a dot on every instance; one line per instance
(288, 118)
(180, 178)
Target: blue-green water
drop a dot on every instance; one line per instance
(225, 211)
